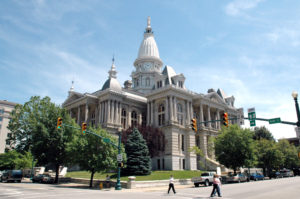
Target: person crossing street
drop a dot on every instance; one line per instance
(171, 185)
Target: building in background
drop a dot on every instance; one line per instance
(156, 96)
(5, 109)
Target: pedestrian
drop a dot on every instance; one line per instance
(107, 180)
(171, 185)
(216, 186)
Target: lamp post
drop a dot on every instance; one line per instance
(118, 185)
(295, 96)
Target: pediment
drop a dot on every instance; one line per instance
(72, 97)
(215, 98)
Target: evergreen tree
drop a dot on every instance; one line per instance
(138, 158)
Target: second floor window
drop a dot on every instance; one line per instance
(161, 114)
(123, 118)
(133, 118)
(179, 114)
(159, 84)
(180, 84)
(147, 81)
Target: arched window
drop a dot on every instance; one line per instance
(123, 118)
(179, 114)
(133, 118)
(147, 81)
(161, 114)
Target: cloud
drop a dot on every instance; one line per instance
(237, 7)
(284, 36)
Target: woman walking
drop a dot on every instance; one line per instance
(216, 186)
(171, 185)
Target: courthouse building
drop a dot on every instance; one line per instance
(156, 96)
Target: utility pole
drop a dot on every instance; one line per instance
(118, 185)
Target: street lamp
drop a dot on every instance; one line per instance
(118, 185)
(295, 96)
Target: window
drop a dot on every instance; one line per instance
(159, 84)
(182, 142)
(158, 164)
(7, 142)
(147, 81)
(163, 166)
(93, 119)
(180, 84)
(133, 118)
(179, 114)
(1, 111)
(183, 164)
(161, 115)
(0, 119)
(123, 118)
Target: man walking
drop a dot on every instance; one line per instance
(216, 184)
(171, 185)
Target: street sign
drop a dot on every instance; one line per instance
(119, 158)
(252, 116)
(252, 123)
(106, 140)
(241, 116)
(274, 120)
(250, 110)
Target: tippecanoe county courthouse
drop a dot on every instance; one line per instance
(156, 96)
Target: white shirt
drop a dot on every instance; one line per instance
(171, 180)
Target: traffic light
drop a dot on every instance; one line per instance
(59, 123)
(83, 128)
(120, 164)
(225, 119)
(194, 124)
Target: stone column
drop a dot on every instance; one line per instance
(78, 116)
(129, 117)
(218, 118)
(201, 115)
(187, 112)
(151, 113)
(171, 108)
(105, 113)
(167, 111)
(209, 118)
(191, 109)
(113, 111)
(175, 108)
(148, 113)
(86, 113)
(108, 111)
(203, 144)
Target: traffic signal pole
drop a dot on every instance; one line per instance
(118, 185)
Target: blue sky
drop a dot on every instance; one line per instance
(249, 48)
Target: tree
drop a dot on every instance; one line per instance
(199, 152)
(262, 133)
(93, 154)
(138, 159)
(154, 137)
(33, 128)
(290, 154)
(268, 155)
(234, 147)
(14, 160)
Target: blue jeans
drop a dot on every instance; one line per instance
(216, 189)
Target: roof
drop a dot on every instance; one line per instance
(113, 84)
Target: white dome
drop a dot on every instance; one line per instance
(148, 47)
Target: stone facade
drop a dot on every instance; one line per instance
(5, 109)
(156, 98)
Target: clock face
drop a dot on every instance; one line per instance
(147, 65)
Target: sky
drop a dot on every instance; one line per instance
(248, 48)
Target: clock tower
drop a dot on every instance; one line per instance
(148, 63)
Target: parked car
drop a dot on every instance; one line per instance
(43, 178)
(257, 176)
(12, 176)
(275, 174)
(239, 177)
(296, 171)
(205, 178)
(287, 173)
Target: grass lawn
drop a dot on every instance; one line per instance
(155, 175)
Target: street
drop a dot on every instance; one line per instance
(286, 188)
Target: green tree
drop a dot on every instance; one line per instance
(290, 154)
(199, 152)
(234, 147)
(33, 128)
(268, 155)
(93, 154)
(138, 158)
(14, 160)
(262, 133)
